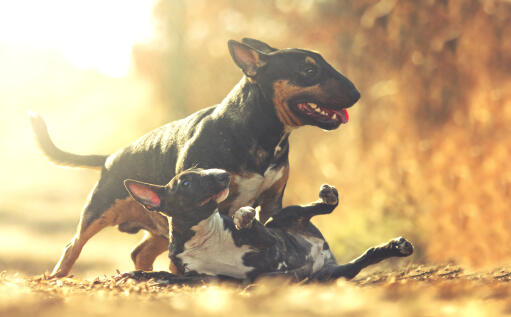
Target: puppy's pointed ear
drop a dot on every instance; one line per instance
(247, 58)
(258, 45)
(148, 195)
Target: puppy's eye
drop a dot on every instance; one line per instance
(185, 183)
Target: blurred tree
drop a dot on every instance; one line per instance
(164, 62)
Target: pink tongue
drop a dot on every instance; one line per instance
(343, 114)
(346, 115)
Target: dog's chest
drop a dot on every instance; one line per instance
(212, 250)
(249, 186)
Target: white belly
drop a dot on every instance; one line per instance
(212, 251)
(317, 254)
(251, 185)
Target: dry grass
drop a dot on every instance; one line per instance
(417, 291)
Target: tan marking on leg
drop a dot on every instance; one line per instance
(121, 211)
(128, 210)
(85, 231)
(148, 250)
(155, 242)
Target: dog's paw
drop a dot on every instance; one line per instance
(244, 217)
(328, 194)
(401, 247)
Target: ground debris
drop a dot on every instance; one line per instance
(434, 273)
(418, 290)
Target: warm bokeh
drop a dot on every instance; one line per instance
(426, 153)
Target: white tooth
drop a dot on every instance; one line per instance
(323, 113)
(313, 105)
(317, 110)
(334, 117)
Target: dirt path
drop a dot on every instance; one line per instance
(417, 291)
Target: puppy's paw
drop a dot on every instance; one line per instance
(244, 217)
(328, 194)
(401, 247)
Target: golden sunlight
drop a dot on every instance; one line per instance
(90, 34)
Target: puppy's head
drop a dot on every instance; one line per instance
(194, 193)
(303, 87)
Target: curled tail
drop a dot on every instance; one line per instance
(55, 154)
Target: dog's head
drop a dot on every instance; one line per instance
(304, 88)
(191, 195)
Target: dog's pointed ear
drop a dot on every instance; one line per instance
(249, 59)
(258, 45)
(148, 195)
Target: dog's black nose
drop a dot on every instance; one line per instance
(223, 178)
(354, 96)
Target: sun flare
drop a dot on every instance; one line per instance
(90, 34)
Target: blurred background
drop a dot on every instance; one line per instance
(425, 155)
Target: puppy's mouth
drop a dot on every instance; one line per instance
(218, 197)
(323, 114)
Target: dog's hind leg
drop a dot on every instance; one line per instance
(147, 250)
(72, 250)
(156, 239)
(398, 247)
(98, 213)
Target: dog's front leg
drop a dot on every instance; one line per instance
(250, 231)
(270, 200)
(329, 199)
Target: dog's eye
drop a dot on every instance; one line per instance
(310, 70)
(185, 183)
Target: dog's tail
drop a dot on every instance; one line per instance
(55, 154)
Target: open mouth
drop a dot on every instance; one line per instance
(219, 197)
(323, 114)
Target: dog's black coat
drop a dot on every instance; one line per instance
(289, 244)
(246, 134)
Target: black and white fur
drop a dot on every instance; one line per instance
(207, 242)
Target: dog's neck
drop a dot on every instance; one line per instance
(190, 217)
(205, 229)
(253, 110)
(184, 230)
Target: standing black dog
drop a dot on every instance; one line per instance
(205, 242)
(246, 134)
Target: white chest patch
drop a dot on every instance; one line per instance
(250, 186)
(212, 251)
(317, 255)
